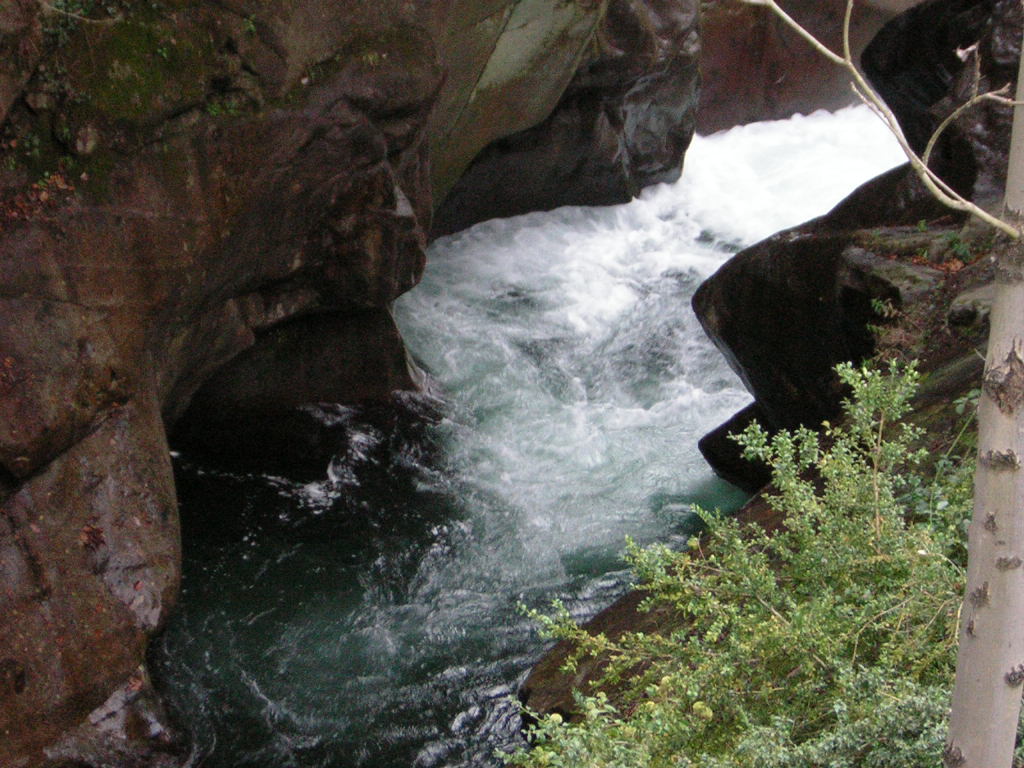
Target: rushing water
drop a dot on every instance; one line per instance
(369, 617)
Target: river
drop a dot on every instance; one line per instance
(369, 616)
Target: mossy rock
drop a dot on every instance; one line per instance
(140, 70)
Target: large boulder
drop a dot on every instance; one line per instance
(196, 201)
(787, 310)
(623, 123)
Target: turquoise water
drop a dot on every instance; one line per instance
(368, 616)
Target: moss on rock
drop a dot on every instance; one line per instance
(140, 70)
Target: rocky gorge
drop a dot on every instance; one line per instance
(210, 206)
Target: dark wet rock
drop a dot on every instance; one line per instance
(787, 310)
(718, 447)
(913, 60)
(249, 412)
(920, 65)
(784, 312)
(315, 358)
(624, 123)
(896, 198)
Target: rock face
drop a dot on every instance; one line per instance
(757, 68)
(20, 48)
(607, 139)
(206, 210)
(824, 275)
(189, 235)
(623, 123)
(514, 63)
(826, 280)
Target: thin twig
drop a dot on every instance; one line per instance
(78, 17)
(823, 49)
(847, 55)
(977, 98)
(976, 80)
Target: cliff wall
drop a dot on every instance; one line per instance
(206, 209)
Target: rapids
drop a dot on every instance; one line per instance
(368, 617)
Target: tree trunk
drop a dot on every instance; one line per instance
(990, 661)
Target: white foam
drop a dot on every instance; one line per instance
(753, 180)
(566, 339)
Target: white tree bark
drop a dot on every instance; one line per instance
(990, 661)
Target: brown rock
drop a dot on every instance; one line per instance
(251, 189)
(21, 45)
(189, 237)
(89, 551)
(511, 63)
(624, 123)
(757, 68)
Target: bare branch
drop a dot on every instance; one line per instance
(847, 18)
(936, 186)
(823, 49)
(996, 96)
(78, 17)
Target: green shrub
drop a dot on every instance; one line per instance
(830, 642)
